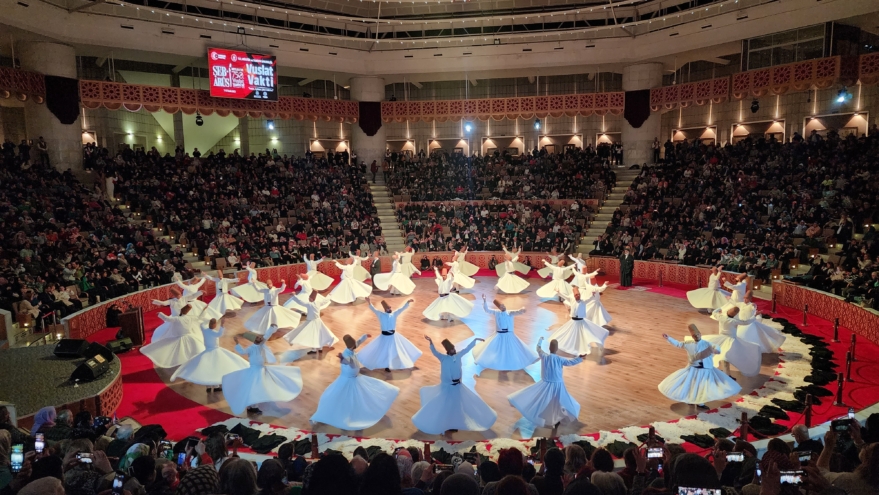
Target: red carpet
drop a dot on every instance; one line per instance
(147, 399)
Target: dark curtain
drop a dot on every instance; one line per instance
(62, 98)
(637, 107)
(370, 119)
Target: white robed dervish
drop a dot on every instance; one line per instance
(582, 279)
(390, 350)
(223, 301)
(448, 303)
(503, 351)
(319, 281)
(249, 291)
(305, 290)
(396, 280)
(738, 289)
(191, 293)
(509, 282)
(558, 284)
(260, 382)
(360, 273)
(548, 402)
(451, 405)
(578, 335)
(465, 266)
(175, 304)
(349, 288)
(522, 268)
(354, 401)
(272, 313)
(406, 265)
(554, 258)
(312, 333)
(209, 367)
(461, 280)
(595, 311)
(711, 297)
(767, 337)
(700, 381)
(181, 343)
(733, 351)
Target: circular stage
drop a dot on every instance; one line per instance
(617, 392)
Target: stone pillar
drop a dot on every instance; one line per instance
(638, 143)
(244, 135)
(177, 118)
(65, 141)
(368, 148)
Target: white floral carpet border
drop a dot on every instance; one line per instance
(794, 365)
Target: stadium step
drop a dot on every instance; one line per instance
(384, 206)
(605, 214)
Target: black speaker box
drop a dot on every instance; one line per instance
(70, 348)
(95, 349)
(120, 345)
(91, 369)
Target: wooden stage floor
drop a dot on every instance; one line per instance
(621, 391)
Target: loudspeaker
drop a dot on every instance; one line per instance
(120, 345)
(91, 369)
(96, 349)
(70, 348)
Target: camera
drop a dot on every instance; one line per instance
(16, 458)
(735, 456)
(39, 443)
(794, 478)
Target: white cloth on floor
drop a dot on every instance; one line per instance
(272, 313)
(503, 351)
(769, 339)
(548, 402)
(349, 288)
(319, 281)
(451, 405)
(249, 291)
(700, 381)
(448, 302)
(559, 274)
(390, 349)
(259, 382)
(354, 401)
(711, 297)
(312, 333)
(395, 280)
(223, 301)
(209, 367)
(509, 282)
(180, 344)
(577, 335)
(745, 356)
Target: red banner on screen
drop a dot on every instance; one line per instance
(237, 74)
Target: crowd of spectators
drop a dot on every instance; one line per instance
(84, 455)
(757, 205)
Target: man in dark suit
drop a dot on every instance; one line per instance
(627, 266)
(375, 266)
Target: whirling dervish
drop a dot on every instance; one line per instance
(176, 303)
(554, 258)
(583, 279)
(461, 280)
(738, 288)
(319, 281)
(448, 304)
(451, 405)
(743, 355)
(700, 381)
(180, 344)
(272, 313)
(223, 301)
(558, 284)
(548, 402)
(250, 291)
(389, 350)
(312, 333)
(406, 265)
(509, 282)
(595, 311)
(354, 401)
(767, 337)
(305, 290)
(578, 335)
(503, 351)
(712, 296)
(396, 280)
(360, 273)
(465, 266)
(259, 382)
(191, 293)
(349, 288)
(520, 267)
(209, 367)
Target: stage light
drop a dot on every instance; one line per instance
(497, 41)
(270, 124)
(468, 127)
(537, 124)
(843, 95)
(199, 121)
(755, 105)
(240, 30)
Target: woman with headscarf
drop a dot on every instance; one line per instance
(135, 451)
(201, 480)
(43, 420)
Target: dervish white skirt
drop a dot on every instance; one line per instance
(312, 334)
(160, 332)
(765, 336)
(452, 304)
(596, 313)
(576, 337)
(548, 290)
(546, 403)
(745, 356)
(248, 291)
(467, 268)
(260, 384)
(511, 284)
(355, 402)
(464, 281)
(399, 281)
(360, 273)
(452, 407)
(168, 353)
(706, 298)
(209, 367)
(389, 351)
(544, 272)
(349, 290)
(408, 269)
(522, 268)
(222, 303)
(268, 315)
(504, 352)
(698, 385)
(198, 307)
(318, 280)
(293, 304)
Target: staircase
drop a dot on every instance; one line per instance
(605, 212)
(384, 204)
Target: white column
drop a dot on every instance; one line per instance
(65, 141)
(637, 143)
(368, 148)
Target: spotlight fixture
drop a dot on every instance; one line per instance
(270, 124)
(843, 95)
(393, 98)
(537, 124)
(497, 41)
(199, 121)
(468, 127)
(755, 105)
(241, 30)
